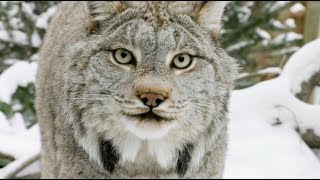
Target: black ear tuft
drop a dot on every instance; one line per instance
(99, 11)
(207, 14)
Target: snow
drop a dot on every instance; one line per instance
(24, 145)
(33, 168)
(35, 58)
(270, 70)
(17, 165)
(4, 35)
(11, 61)
(290, 22)
(17, 123)
(19, 37)
(15, 22)
(250, 3)
(244, 14)
(243, 75)
(277, 24)
(278, 5)
(285, 51)
(16, 36)
(20, 74)
(3, 3)
(28, 9)
(239, 45)
(263, 141)
(17, 107)
(263, 34)
(42, 21)
(296, 8)
(17, 141)
(259, 150)
(36, 39)
(302, 65)
(290, 36)
(4, 124)
(20, 143)
(13, 11)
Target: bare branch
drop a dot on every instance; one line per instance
(307, 88)
(16, 166)
(6, 156)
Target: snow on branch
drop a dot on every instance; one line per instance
(267, 121)
(19, 74)
(302, 65)
(262, 72)
(15, 167)
(19, 144)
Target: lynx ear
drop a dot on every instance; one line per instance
(98, 11)
(210, 16)
(207, 14)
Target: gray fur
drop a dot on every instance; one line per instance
(84, 99)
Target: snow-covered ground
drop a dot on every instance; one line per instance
(263, 140)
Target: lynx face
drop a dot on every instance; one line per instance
(147, 72)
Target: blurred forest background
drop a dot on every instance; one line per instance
(260, 35)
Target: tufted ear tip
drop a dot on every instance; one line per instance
(210, 16)
(207, 14)
(99, 11)
(92, 25)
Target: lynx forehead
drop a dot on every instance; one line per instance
(134, 89)
(153, 16)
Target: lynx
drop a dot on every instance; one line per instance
(134, 90)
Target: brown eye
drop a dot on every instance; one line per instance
(123, 56)
(182, 61)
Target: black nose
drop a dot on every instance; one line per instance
(152, 99)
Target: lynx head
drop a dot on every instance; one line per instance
(148, 70)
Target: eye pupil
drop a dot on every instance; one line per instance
(124, 54)
(181, 59)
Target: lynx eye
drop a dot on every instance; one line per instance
(182, 61)
(123, 56)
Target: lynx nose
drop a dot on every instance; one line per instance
(152, 99)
